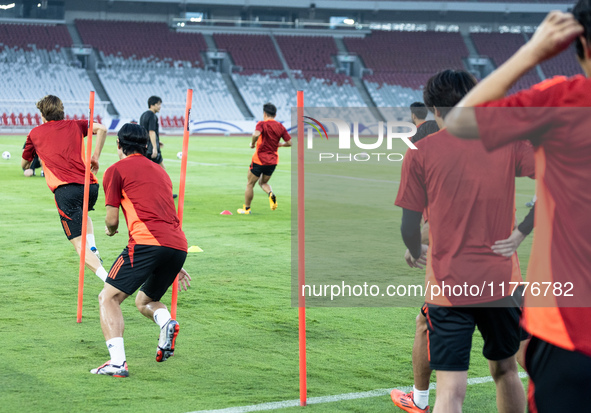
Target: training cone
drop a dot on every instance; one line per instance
(226, 212)
(195, 248)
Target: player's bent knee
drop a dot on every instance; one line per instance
(503, 367)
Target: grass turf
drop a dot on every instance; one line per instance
(238, 343)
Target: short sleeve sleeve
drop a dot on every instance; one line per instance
(83, 126)
(29, 150)
(286, 136)
(524, 159)
(259, 127)
(112, 184)
(412, 192)
(153, 122)
(526, 115)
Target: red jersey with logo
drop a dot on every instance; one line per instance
(555, 116)
(470, 194)
(271, 134)
(144, 191)
(60, 146)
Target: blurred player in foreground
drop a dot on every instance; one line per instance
(266, 137)
(59, 144)
(555, 117)
(469, 209)
(155, 253)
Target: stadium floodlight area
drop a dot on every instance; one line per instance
(129, 90)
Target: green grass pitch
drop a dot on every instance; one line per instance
(238, 343)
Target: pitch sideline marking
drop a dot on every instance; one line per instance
(335, 398)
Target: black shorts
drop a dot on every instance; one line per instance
(450, 332)
(559, 379)
(154, 268)
(257, 169)
(157, 159)
(70, 200)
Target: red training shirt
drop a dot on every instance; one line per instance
(470, 194)
(59, 145)
(268, 142)
(144, 191)
(554, 115)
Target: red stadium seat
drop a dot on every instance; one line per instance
(99, 119)
(38, 119)
(5, 119)
(13, 119)
(30, 120)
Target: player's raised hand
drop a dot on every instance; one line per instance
(554, 35)
(184, 280)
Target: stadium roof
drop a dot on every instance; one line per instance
(519, 6)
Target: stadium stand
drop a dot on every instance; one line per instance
(130, 89)
(563, 64)
(402, 62)
(252, 52)
(501, 46)
(258, 88)
(34, 63)
(142, 41)
(34, 36)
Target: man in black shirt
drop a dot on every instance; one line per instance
(149, 121)
(418, 114)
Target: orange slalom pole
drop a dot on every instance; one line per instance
(175, 284)
(85, 208)
(301, 251)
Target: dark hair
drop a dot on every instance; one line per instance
(51, 108)
(153, 100)
(445, 89)
(582, 13)
(132, 138)
(419, 110)
(270, 109)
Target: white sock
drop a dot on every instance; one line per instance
(90, 242)
(161, 317)
(102, 273)
(117, 350)
(420, 397)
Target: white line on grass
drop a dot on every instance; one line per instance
(336, 398)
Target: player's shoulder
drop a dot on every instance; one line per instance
(559, 82)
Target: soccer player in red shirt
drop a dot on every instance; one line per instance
(470, 196)
(266, 137)
(59, 145)
(154, 255)
(554, 116)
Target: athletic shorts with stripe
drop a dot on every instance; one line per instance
(154, 268)
(450, 331)
(70, 200)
